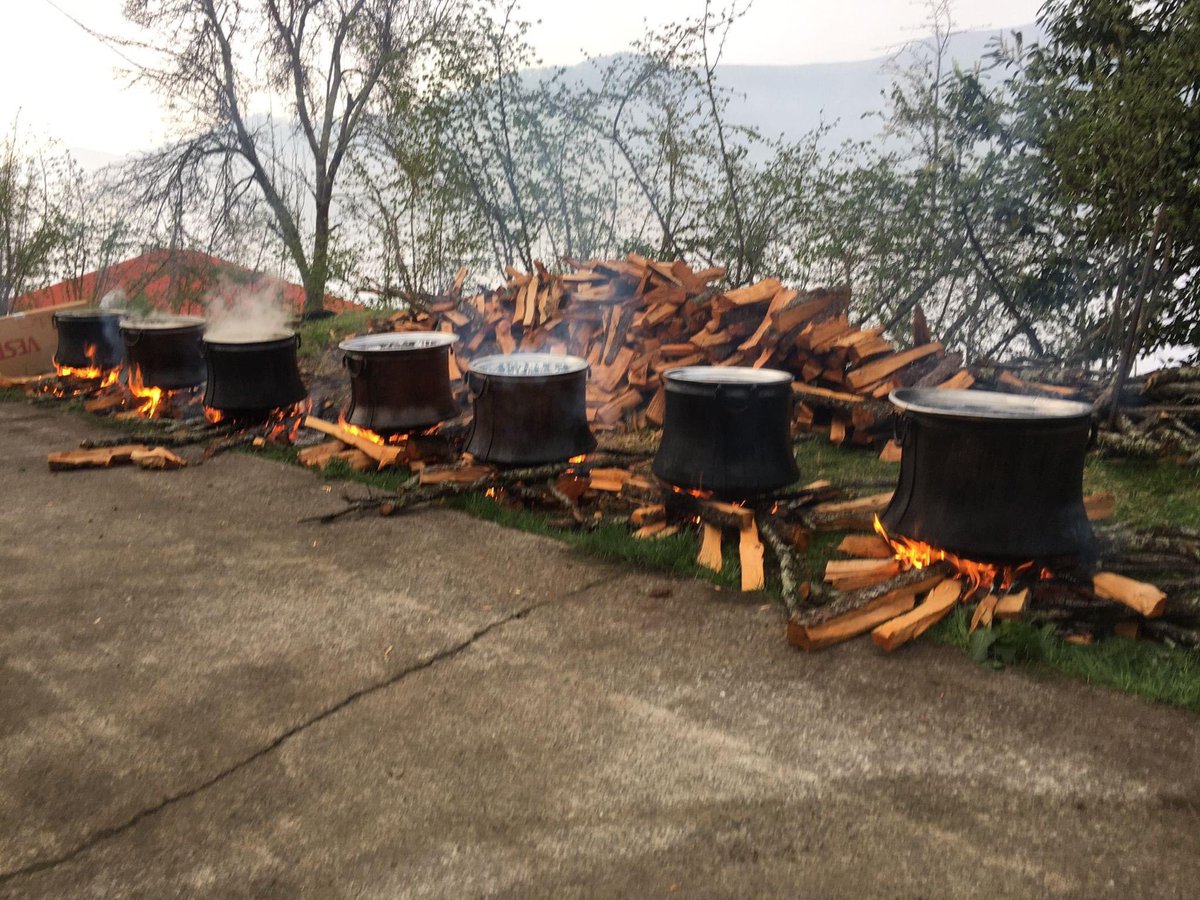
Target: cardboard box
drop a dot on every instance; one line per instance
(28, 341)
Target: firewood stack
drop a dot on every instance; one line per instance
(634, 319)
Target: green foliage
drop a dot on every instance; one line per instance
(1150, 670)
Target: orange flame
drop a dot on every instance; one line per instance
(918, 554)
(691, 492)
(576, 460)
(106, 377)
(151, 397)
(372, 436)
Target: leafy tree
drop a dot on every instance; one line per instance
(322, 60)
(1123, 142)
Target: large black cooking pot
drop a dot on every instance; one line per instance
(252, 377)
(167, 352)
(399, 382)
(81, 330)
(727, 430)
(530, 408)
(993, 477)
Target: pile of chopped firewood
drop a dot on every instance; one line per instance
(633, 319)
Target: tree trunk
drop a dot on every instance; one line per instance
(1133, 334)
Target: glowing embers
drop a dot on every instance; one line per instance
(272, 426)
(911, 554)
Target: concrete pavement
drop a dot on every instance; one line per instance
(200, 696)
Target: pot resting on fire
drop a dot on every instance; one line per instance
(166, 353)
(727, 430)
(399, 382)
(84, 330)
(250, 378)
(993, 477)
(530, 408)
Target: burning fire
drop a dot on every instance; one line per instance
(151, 397)
(373, 437)
(106, 377)
(691, 492)
(576, 460)
(917, 555)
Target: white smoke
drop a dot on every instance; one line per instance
(237, 314)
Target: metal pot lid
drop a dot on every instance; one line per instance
(528, 365)
(89, 314)
(985, 405)
(399, 341)
(161, 323)
(727, 375)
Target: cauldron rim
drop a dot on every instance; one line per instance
(494, 366)
(739, 375)
(251, 343)
(88, 314)
(986, 406)
(161, 323)
(398, 342)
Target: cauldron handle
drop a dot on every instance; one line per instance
(900, 428)
(1093, 433)
(355, 365)
(132, 337)
(722, 389)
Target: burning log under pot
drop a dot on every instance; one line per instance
(530, 408)
(88, 339)
(727, 430)
(165, 353)
(399, 382)
(248, 379)
(993, 477)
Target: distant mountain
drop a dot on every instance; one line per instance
(791, 101)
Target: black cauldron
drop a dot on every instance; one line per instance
(530, 408)
(399, 382)
(727, 430)
(249, 378)
(993, 477)
(81, 330)
(165, 353)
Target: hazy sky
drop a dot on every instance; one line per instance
(65, 83)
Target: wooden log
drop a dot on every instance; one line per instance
(454, 474)
(385, 455)
(914, 581)
(610, 480)
(882, 368)
(984, 612)
(157, 458)
(1144, 598)
(710, 547)
(1011, 606)
(892, 452)
(865, 546)
(98, 458)
(750, 553)
(839, 569)
(933, 609)
(316, 455)
(643, 515)
(959, 381)
(851, 624)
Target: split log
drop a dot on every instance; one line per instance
(157, 458)
(99, 458)
(386, 456)
(1145, 598)
(873, 371)
(865, 546)
(710, 555)
(851, 574)
(841, 618)
(984, 612)
(1010, 606)
(933, 609)
(750, 553)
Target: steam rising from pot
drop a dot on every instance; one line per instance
(238, 315)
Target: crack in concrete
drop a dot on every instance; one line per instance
(112, 831)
